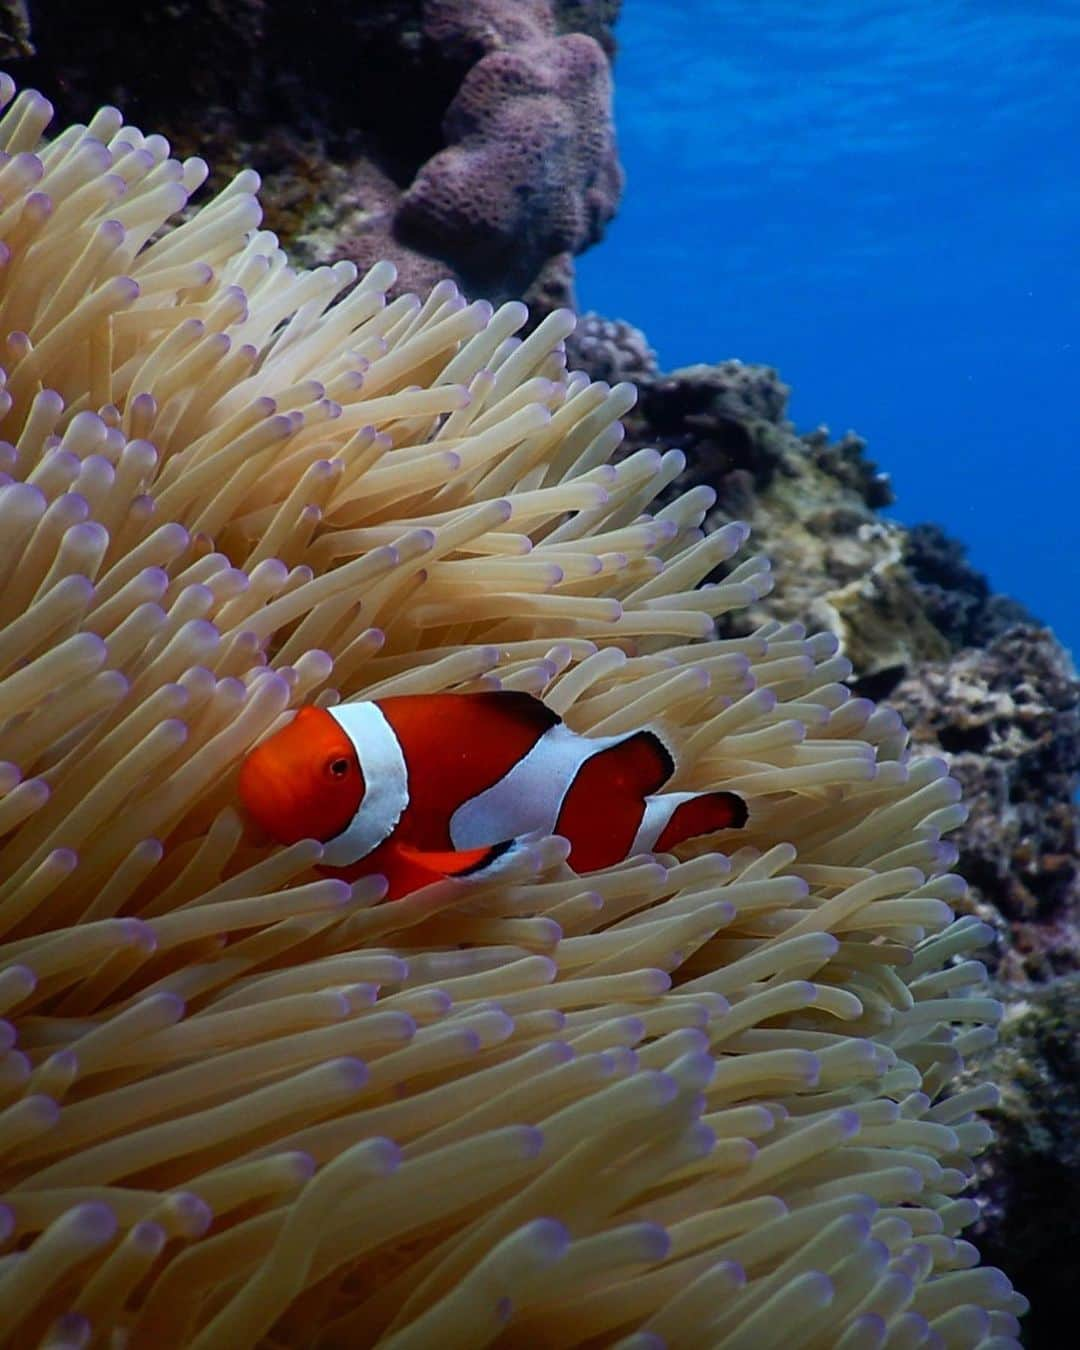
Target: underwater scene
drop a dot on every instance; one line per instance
(519, 828)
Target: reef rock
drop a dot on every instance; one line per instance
(813, 504)
(611, 350)
(470, 138)
(1007, 719)
(1029, 1179)
(957, 598)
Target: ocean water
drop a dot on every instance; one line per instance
(883, 201)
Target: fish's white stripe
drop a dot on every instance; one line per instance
(386, 783)
(658, 812)
(529, 797)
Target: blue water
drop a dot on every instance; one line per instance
(883, 201)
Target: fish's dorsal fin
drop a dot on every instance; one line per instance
(527, 707)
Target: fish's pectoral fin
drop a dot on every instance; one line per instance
(462, 862)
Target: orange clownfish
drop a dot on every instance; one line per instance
(427, 786)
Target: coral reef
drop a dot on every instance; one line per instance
(699, 1100)
(453, 137)
(957, 598)
(1029, 1179)
(1007, 718)
(812, 504)
(610, 350)
(708, 395)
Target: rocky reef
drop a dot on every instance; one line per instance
(462, 138)
(1007, 715)
(474, 138)
(1027, 1187)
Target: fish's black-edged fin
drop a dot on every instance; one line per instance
(462, 862)
(704, 814)
(525, 708)
(490, 858)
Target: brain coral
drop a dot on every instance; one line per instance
(530, 168)
(696, 1101)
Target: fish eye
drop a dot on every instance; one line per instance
(338, 767)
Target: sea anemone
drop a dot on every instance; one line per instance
(697, 1101)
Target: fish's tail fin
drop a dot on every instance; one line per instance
(674, 817)
(602, 810)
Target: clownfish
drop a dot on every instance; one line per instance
(422, 787)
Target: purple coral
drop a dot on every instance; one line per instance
(530, 167)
